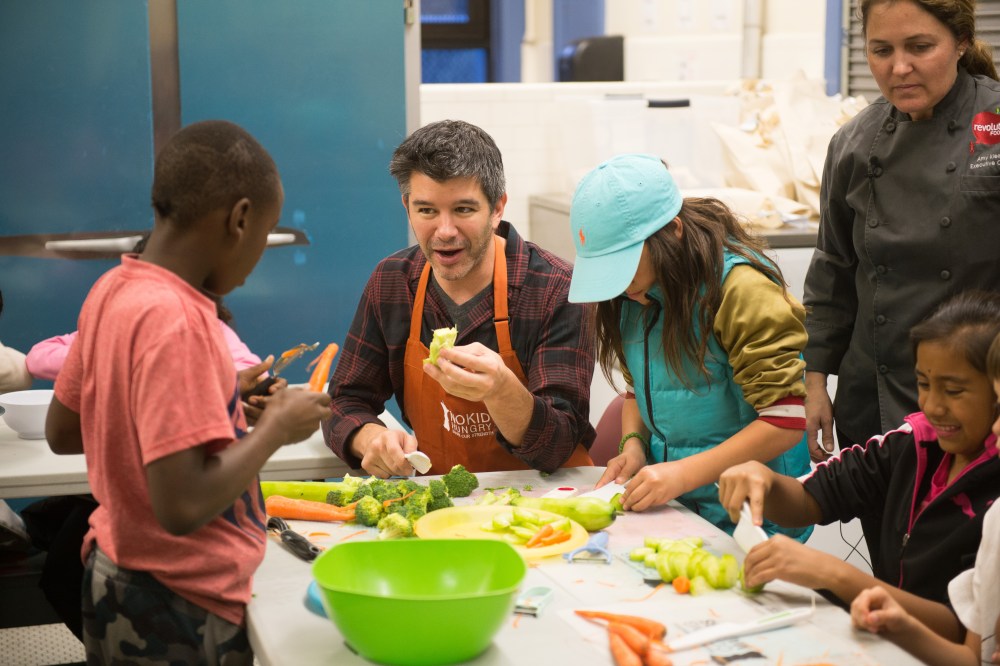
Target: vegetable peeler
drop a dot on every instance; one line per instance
(283, 362)
(595, 550)
(300, 546)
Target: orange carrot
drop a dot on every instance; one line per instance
(558, 537)
(651, 628)
(323, 363)
(536, 540)
(682, 584)
(300, 509)
(387, 502)
(652, 653)
(657, 656)
(622, 653)
(638, 641)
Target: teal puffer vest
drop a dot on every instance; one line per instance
(694, 419)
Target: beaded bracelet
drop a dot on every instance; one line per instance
(630, 435)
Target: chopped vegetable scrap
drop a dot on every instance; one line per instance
(689, 567)
(443, 338)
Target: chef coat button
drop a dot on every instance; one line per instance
(872, 222)
(951, 166)
(952, 125)
(880, 269)
(945, 275)
(880, 319)
(945, 222)
(877, 171)
(883, 369)
(890, 126)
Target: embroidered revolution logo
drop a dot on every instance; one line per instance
(467, 426)
(986, 128)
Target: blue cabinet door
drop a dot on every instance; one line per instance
(321, 84)
(76, 147)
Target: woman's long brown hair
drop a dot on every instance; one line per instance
(689, 274)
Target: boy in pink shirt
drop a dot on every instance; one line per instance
(149, 394)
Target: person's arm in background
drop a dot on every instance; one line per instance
(830, 296)
(764, 336)
(14, 374)
(46, 358)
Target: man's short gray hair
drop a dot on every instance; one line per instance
(450, 149)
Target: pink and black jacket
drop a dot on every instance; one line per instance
(884, 484)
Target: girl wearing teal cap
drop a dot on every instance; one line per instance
(703, 329)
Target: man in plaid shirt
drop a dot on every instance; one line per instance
(514, 393)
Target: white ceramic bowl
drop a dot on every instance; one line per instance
(24, 412)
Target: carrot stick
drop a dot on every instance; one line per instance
(322, 372)
(536, 540)
(682, 585)
(622, 653)
(558, 537)
(651, 628)
(299, 509)
(387, 502)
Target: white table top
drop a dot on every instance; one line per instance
(28, 468)
(283, 631)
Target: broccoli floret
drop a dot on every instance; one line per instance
(414, 506)
(368, 511)
(340, 497)
(383, 490)
(439, 496)
(364, 490)
(408, 485)
(460, 481)
(395, 526)
(340, 492)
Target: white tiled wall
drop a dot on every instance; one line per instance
(549, 133)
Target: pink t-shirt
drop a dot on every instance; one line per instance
(150, 375)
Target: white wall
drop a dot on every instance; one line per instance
(688, 40)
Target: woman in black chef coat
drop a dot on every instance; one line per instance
(910, 213)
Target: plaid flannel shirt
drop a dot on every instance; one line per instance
(553, 338)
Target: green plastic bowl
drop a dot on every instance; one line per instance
(416, 602)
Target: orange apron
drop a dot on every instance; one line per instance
(452, 430)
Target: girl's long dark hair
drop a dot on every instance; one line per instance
(689, 275)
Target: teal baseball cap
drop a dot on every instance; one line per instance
(615, 208)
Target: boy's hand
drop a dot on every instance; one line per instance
(295, 413)
(876, 611)
(750, 481)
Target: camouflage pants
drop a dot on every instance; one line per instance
(131, 618)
